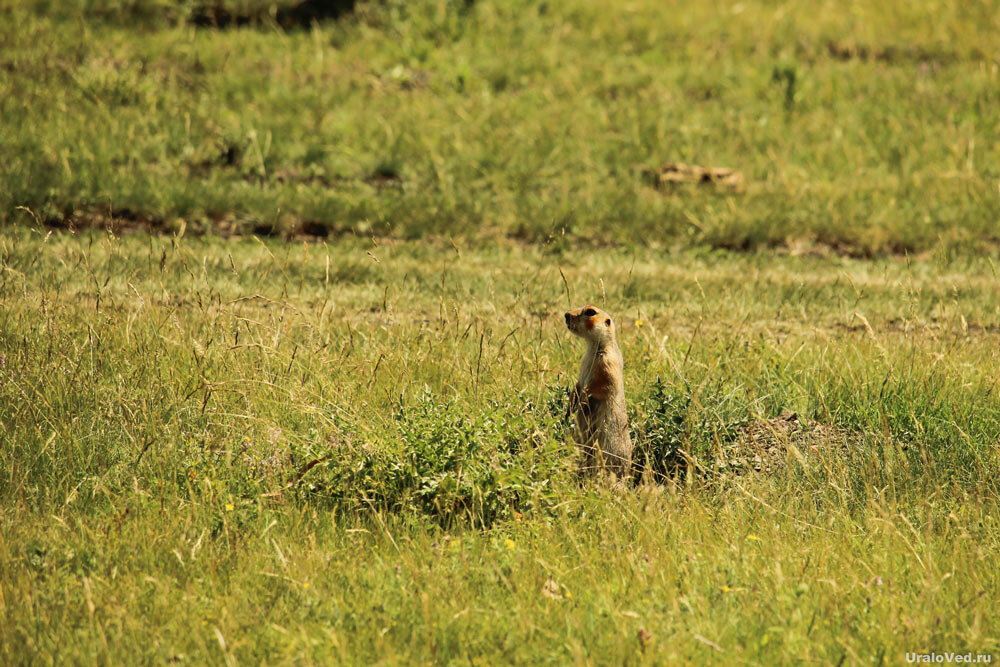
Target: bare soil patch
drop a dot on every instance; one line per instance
(769, 445)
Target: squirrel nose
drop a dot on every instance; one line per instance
(567, 318)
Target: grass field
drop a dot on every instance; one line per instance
(343, 440)
(161, 398)
(866, 127)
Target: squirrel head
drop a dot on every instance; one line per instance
(591, 323)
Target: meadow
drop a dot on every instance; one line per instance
(282, 362)
(866, 127)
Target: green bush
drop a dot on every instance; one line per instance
(440, 460)
(672, 430)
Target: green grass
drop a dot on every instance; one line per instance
(866, 127)
(160, 396)
(217, 447)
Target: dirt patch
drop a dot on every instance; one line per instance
(677, 172)
(818, 247)
(117, 222)
(309, 176)
(894, 53)
(126, 221)
(769, 445)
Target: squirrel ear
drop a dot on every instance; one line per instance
(607, 322)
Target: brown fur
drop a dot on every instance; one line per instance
(598, 400)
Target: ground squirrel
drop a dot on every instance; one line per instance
(599, 396)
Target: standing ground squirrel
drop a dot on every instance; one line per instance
(599, 396)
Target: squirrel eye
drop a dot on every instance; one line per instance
(590, 312)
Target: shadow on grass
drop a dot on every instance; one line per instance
(301, 15)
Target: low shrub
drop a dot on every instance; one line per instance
(445, 461)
